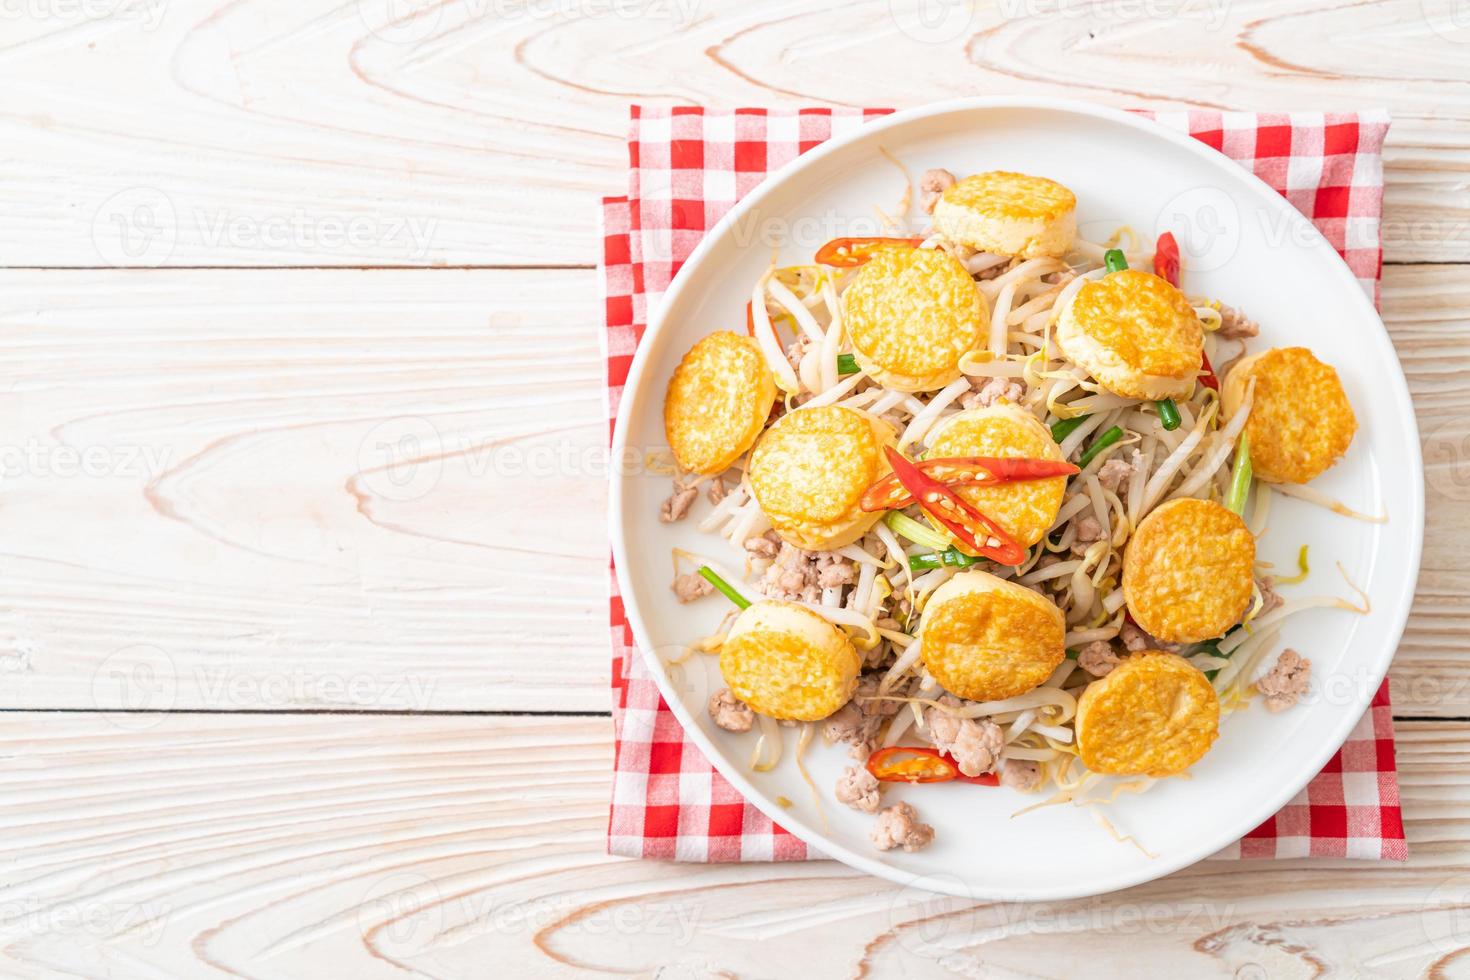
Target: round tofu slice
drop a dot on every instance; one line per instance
(1300, 422)
(1008, 214)
(809, 470)
(984, 638)
(1026, 510)
(789, 663)
(1136, 334)
(1152, 715)
(1188, 571)
(717, 403)
(911, 314)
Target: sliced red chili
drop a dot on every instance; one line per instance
(1166, 259)
(749, 319)
(848, 253)
(889, 493)
(976, 533)
(916, 764)
(1166, 267)
(1208, 379)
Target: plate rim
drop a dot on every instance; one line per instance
(633, 390)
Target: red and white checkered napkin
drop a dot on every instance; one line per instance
(688, 167)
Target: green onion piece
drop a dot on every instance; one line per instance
(1240, 479)
(1212, 647)
(1115, 260)
(1168, 413)
(726, 590)
(916, 532)
(1071, 653)
(1099, 444)
(1064, 428)
(846, 364)
(949, 556)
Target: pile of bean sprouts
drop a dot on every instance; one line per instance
(1025, 298)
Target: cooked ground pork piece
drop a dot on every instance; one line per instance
(800, 576)
(859, 788)
(991, 391)
(1020, 774)
(899, 826)
(1135, 639)
(933, 183)
(730, 713)
(834, 570)
(1235, 325)
(678, 504)
(1089, 530)
(1284, 685)
(1098, 658)
(797, 350)
(857, 722)
(716, 491)
(1115, 473)
(974, 742)
(1270, 598)
(765, 546)
(691, 586)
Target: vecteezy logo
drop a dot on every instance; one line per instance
(401, 458)
(1450, 19)
(401, 21)
(933, 21)
(138, 226)
(1206, 223)
(401, 914)
(134, 685)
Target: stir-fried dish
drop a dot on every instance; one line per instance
(983, 503)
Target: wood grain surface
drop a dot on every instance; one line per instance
(302, 485)
(466, 847)
(451, 132)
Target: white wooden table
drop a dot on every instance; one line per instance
(272, 707)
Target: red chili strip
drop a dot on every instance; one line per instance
(848, 253)
(976, 533)
(916, 764)
(963, 471)
(1208, 378)
(1166, 267)
(1166, 259)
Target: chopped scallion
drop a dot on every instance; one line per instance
(916, 532)
(1240, 478)
(950, 557)
(725, 588)
(1115, 260)
(1168, 414)
(1061, 430)
(1099, 444)
(846, 364)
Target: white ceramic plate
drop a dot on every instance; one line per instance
(1244, 244)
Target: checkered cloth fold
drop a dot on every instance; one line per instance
(688, 166)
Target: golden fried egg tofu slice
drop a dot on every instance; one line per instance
(1188, 571)
(1008, 214)
(789, 663)
(1027, 509)
(1136, 334)
(984, 638)
(911, 314)
(809, 470)
(1300, 422)
(1152, 715)
(718, 401)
